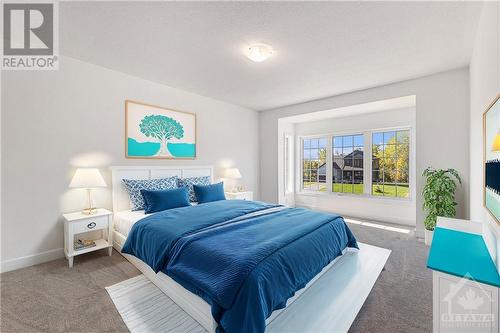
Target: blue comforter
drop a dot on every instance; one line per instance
(245, 264)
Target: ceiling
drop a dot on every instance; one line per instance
(321, 48)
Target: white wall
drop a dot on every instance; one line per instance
(484, 86)
(400, 211)
(55, 121)
(442, 125)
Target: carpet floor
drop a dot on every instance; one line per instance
(53, 298)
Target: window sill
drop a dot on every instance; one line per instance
(359, 196)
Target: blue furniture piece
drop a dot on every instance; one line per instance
(465, 279)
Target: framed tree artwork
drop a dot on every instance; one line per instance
(156, 132)
(491, 138)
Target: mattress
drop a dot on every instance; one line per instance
(124, 220)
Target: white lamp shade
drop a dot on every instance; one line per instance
(87, 178)
(232, 173)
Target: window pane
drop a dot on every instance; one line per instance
(389, 164)
(314, 143)
(358, 140)
(402, 191)
(322, 173)
(390, 151)
(358, 188)
(347, 176)
(389, 190)
(313, 163)
(307, 143)
(322, 155)
(358, 164)
(378, 189)
(389, 137)
(337, 141)
(389, 176)
(378, 138)
(322, 143)
(346, 151)
(378, 151)
(358, 153)
(403, 156)
(403, 176)
(307, 154)
(314, 154)
(347, 141)
(358, 176)
(337, 175)
(403, 137)
(337, 152)
(338, 163)
(347, 188)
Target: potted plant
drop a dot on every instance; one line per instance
(439, 197)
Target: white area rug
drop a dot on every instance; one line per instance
(144, 308)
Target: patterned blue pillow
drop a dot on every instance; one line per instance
(134, 187)
(189, 182)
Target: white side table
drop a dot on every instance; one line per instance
(77, 223)
(247, 195)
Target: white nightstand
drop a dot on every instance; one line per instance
(247, 195)
(77, 223)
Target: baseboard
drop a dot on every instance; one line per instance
(419, 233)
(34, 259)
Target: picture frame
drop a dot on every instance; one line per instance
(491, 159)
(155, 132)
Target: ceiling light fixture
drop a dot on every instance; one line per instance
(259, 52)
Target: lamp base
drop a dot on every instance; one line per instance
(89, 211)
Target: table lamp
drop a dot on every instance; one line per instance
(87, 178)
(233, 173)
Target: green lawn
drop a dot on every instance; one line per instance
(348, 188)
(401, 191)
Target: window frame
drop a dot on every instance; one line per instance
(353, 134)
(367, 163)
(395, 183)
(300, 180)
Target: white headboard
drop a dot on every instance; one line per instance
(121, 200)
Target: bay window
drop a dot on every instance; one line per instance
(375, 163)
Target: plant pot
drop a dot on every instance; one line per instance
(428, 237)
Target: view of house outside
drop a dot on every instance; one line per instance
(390, 164)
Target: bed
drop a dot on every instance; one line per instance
(183, 293)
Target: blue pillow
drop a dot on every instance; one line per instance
(134, 187)
(156, 201)
(209, 193)
(189, 182)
